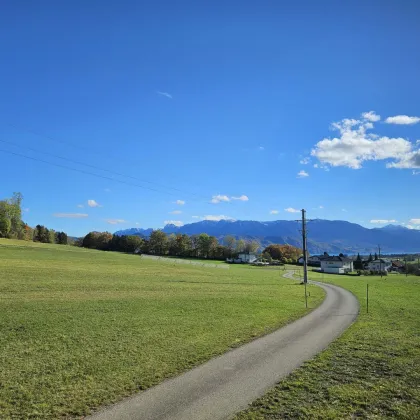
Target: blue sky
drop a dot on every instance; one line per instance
(215, 105)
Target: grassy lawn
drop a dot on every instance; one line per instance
(82, 328)
(372, 371)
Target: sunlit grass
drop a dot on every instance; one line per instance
(82, 328)
(372, 371)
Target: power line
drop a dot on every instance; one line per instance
(55, 140)
(85, 172)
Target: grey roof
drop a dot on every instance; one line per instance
(337, 258)
(382, 261)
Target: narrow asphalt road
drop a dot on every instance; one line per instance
(227, 384)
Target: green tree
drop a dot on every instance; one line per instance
(158, 242)
(370, 257)
(204, 245)
(5, 226)
(358, 263)
(240, 246)
(230, 244)
(251, 246)
(376, 256)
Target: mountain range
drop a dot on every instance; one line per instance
(332, 236)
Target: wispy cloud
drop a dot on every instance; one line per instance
(305, 161)
(416, 172)
(383, 221)
(292, 210)
(175, 212)
(93, 203)
(402, 120)
(166, 94)
(224, 198)
(241, 198)
(344, 210)
(274, 212)
(174, 222)
(81, 206)
(261, 148)
(321, 207)
(415, 221)
(217, 218)
(180, 202)
(71, 215)
(26, 210)
(115, 221)
(302, 174)
(195, 217)
(219, 198)
(107, 190)
(137, 223)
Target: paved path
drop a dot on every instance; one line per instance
(227, 384)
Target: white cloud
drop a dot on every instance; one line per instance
(321, 207)
(81, 206)
(219, 198)
(137, 223)
(195, 217)
(402, 120)
(292, 210)
(241, 198)
(175, 212)
(261, 148)
(71, 215)
(383, 221)
(408, 161)
(216, 218)
(274, 212)
(173, 222)
(180, 202)
(302, 174)
(355, 146)
(305, 161)
(371, 116)
(415, 221)
(93, 203)
(115, 221)
(416, 172)
(166, 94)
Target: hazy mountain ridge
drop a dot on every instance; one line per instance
(332, 236)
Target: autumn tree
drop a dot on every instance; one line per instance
(283, 253)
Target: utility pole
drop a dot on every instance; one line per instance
(305, 253)
(380, 262)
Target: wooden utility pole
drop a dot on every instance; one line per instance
(305, 252)
(380, 262)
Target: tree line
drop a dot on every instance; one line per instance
(182, 245)
(177, 245)
(13, 227)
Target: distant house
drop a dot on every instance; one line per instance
(336, 265)
(243, 257)
(247, 257)
(314, 260)
(397, 266)
(379, 265)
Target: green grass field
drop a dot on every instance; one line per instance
(372, 371)
(82, 328)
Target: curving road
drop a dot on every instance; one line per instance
(227, 384)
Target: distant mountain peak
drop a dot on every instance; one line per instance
(333, 236)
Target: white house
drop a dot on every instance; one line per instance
(314, 259)
(247, 257)
(379, 265)
(336, 265)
